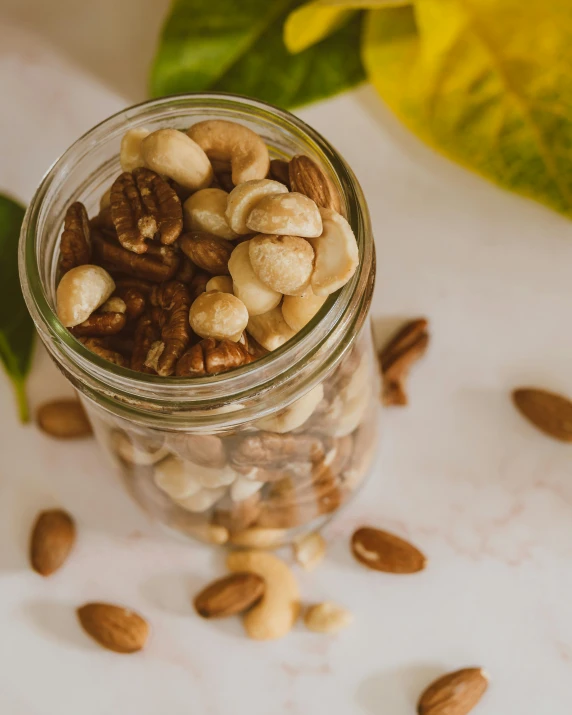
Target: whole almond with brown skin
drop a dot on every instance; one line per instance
(454, 694)
(64, 419)
(229, 595)
(307, 178)
(206, 251)
(386, 552)
(114, 627)
(53, 537)
(551, 413)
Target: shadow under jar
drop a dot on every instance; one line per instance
(262, 478)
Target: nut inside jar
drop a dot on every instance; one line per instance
(204, 258)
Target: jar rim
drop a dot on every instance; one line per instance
(123, 384)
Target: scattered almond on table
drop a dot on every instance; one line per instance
(114, 627)
(52, 539)
(547, 411)
(63, 419)
(382, 551)
(455, 693)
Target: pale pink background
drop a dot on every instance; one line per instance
(487, 498)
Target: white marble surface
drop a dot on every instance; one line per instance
(487, 498)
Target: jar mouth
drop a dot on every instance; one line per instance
(38, 279)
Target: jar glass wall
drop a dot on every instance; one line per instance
(277, 445)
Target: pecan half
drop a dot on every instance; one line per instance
(186, 271)
(172, 297)
(198, 285)
(146, 333)
(100, 347)
(397, 357)
(134, 301)
(159, 264)
(210, 357)
(138, 284)
(143, 204)
(100, 324)
(268, 449)
(206, 251)
(75, 244)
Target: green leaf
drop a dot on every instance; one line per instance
(488, 83)
(318, 19)
(16, 327)
(238, 47)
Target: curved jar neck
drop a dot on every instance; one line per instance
(83, 174)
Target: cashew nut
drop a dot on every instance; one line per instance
(284, 263)
(270, 329)
(275, 614)
(337, 254)
(355, 398)
(205, 211)
(81, 291)
(130, 156)
(295, 414)
(202, 500)
(290, 214)
(132, 453)
(243, 198)
(218, 315)
(209, 533)
(229, 141)
(298, 310)
(258, 537)
(172, 477)
(243, 488)
(222, 284)
(174, 154)
(256, 295)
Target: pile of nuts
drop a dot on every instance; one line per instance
(205, 254)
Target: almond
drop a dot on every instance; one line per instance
(208, 252)
(229, 595)
(64, 419)
(454, 694)
(114, 627)
(383, 551)
(547, 411)
(307, 178)
(53, 537)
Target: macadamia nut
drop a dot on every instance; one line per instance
(284, 263)
(243, 198)
(81, 291)
(218, 315)
(298, 310)
(130, 156)
(256, 295)
(174, 154)
(222, 284)
(205, 211)
(286, 214)
(337, 254)
(270, 329)
(228, 141)
(202, 500)
(295, 414)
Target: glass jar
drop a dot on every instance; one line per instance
(253, 456)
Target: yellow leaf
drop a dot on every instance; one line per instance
(315, 20)
(487, 82)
